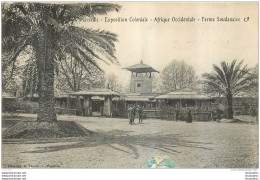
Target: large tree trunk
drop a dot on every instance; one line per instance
(46, 79)
(229, 106)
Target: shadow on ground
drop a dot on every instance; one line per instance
(122, 141)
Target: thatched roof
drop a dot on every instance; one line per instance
(60, 94)
(138, 97)
(140, 68)
(185, 93)
(96, 92)
(57, 94)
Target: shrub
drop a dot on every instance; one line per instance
(29, 107)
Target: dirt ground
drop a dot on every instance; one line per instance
(116, 144)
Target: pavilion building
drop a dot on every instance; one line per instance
(95, 100)
(183, 99)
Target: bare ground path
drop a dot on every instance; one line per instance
(116, 144)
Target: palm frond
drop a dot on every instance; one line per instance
(74, 12)
(228, 79)
(94, 41)
(221, 74)
(12, 56)
(75, 53)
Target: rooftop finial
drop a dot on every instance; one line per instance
(141, 61)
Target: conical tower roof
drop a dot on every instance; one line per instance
(140, 68)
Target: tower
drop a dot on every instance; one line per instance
(141, 78)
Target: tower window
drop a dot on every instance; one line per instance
(138, 85)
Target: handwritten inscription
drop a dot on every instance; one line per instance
(171, 19)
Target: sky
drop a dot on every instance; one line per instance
(200, 43)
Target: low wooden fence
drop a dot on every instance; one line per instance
(59, 110)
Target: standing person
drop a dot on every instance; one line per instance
(196, 116)
(177, 114)
(134, 113)
(140, 114)
(218, 115)
(189, 116)
(130, 114)
(211, 116)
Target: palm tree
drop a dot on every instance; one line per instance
(229, 80)
(50, 31)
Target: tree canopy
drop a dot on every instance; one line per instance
(177, 75)
(49, 30)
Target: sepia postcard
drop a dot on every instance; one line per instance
(130, 85)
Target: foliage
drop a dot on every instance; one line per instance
(72, 76)
(113, 82)
(11, 78)
(177, 75)
(49, 30)
(29, 106)
(9, 83)
(229, 80)
(252, 91)
(30, 77)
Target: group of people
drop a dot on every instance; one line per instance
(135, 112)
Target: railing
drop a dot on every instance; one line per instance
(151, 113)
(59, 110)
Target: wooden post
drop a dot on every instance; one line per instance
(107, 106)
(68, 104)
(78, 106)
(87, 105)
